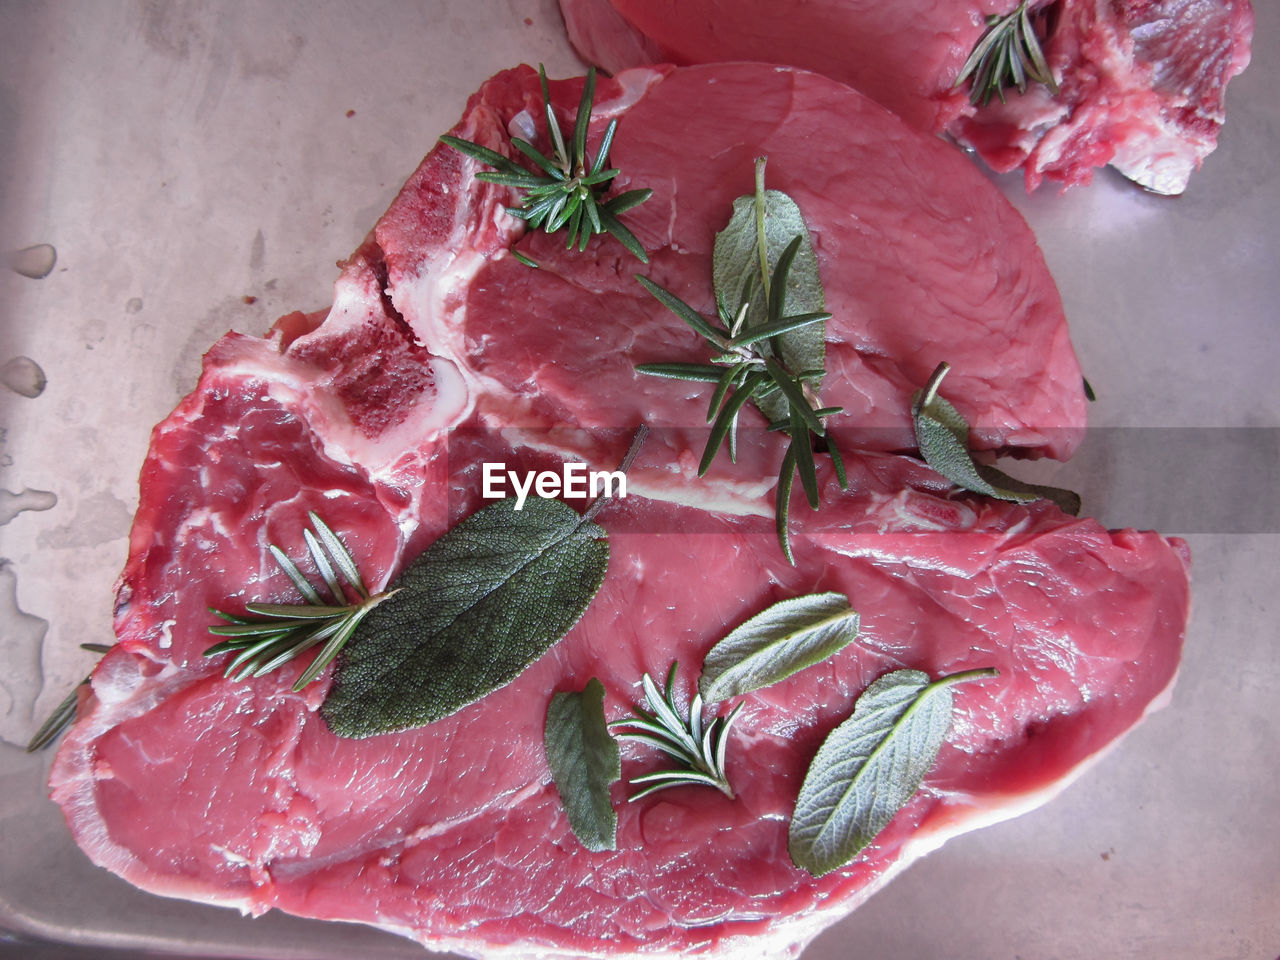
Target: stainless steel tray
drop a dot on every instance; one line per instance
(198, 166)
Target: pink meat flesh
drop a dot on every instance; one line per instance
(1143, 82)
(453, 834)
(921, 261)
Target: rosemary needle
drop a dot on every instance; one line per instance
(569, 191)
(699, 748)
(1008, 54)
(272, 634)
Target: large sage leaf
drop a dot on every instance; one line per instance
(771, 216)
(771, 646)
(870, 766)
(585, 763)
(467, 617)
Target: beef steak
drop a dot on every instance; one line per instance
(378, 415)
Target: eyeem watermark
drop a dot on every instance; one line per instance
(573, 480)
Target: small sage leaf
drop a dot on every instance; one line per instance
(771, 218)
(870, 766)
(771, 646)
(467, 617)
(1068, 501)
(585, 763)
(943, 437)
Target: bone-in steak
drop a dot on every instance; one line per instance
(191, 785)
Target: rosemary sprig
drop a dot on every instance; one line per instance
(570, 191)
(700, 749)
(1008, 54)
(65, 712)
(275, 633)
(744, 368)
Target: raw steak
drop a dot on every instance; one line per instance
(453, 834)
(1142, 82)
(921, 260)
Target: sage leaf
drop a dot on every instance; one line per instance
(1068, 501)
(585, 763)
(772, 645)
(771, 220)
(870, 766)
(467, 616)
(942, 435)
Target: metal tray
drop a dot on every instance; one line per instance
(199, 165)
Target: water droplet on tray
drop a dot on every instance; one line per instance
(12, 504)
(35, 262)
(20, 644)
(23, 375)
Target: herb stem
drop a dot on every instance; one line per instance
(633, 451)
(935, 381)
(761, 243)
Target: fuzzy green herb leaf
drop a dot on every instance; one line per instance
(870, 766)
(468, 616)
(763, 225)
(943, 437)
(1068, 501)
(771, 356)
(780, 641)
(568, 190)
(585, 763)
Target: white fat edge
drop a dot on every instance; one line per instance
(739, 498)
(508, 799)
(120, 692)
(673, 485)
(1042, 122)
(972, 814)
(1161, 160)
(429, 299)
(125, 694)
(634, 84)
(522, 126)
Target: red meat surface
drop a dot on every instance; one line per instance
(1142, 82)
(921, 261)
(191, 785)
